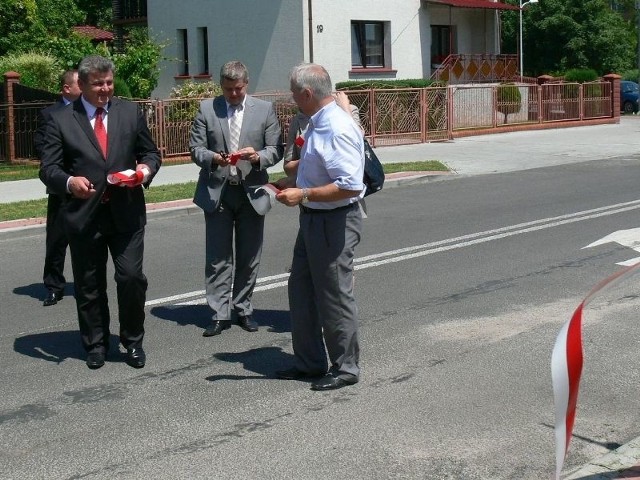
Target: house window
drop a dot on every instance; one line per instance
(203, 40)
(368, 44)
(183, 52)
(442, 43)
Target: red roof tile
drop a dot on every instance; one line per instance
(93, 33)
(475, 4)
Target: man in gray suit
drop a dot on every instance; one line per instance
(234, 139)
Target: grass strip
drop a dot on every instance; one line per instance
(180, 191)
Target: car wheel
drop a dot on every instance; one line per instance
(627, 107)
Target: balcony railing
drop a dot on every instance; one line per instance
(477, 68)
(129, 12)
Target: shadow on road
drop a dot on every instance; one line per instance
(38, 290)
(277, 321)
(263, 361)
(58, 346)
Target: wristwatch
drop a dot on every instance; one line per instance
(305, 195)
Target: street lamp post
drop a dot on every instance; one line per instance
(522, 5)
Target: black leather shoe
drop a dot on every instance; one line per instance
(329, 382)
(248, 323)
(295, 374)
(52, 298)
(95, 360)
(216, 328)
(136, 357)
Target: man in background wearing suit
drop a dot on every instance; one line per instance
(230, 127)
(56, 240)
(96, 136)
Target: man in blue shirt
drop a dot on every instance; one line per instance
(328, 187)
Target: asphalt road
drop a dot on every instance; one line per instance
(462, 287)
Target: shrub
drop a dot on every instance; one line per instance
(120, 88)
(70, 50)
(580, 75)
(632, 75)
(508, 99)
(191, 93)
(36, 71)
(138, 64)
(191, 89)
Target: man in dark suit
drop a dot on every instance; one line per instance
(230, 128)
(56, 240)
(97, 136)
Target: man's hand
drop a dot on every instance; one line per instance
(249, 153)
(285, 182)
(146, 173)
(290, 196)
(81, 187)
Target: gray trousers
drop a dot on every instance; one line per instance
(234, 235)
(321, 301)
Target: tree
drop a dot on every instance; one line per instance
(97, 12)
(560, 34)
(138, 64)
(26, 24)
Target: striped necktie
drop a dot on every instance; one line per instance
(234, 134)
(234, 128)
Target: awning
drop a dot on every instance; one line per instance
(475, 4)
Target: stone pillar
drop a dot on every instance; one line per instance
(614, 79)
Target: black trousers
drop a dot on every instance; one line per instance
(56, 246)
(89, 252)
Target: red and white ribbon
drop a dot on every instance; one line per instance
(566, 368)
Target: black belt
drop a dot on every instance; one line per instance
(326, 210)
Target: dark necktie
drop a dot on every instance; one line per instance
(100, 131)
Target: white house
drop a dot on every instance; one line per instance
(355, 39)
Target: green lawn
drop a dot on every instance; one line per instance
(155, 194)
(9, 173)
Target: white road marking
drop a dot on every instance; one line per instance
(408, 253)
(627, 238)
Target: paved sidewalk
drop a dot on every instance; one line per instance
(495, 153)
(487, 154)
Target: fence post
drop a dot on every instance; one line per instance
(10, 80)
(581, 101)
(542, 79)
(372, 116)
(615, 94)
(159, 108)
(450, 121)
(494, 101)
(424, 115)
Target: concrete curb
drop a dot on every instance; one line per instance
(624, 462)
(35, 226)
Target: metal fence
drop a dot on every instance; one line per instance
(388, 116)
